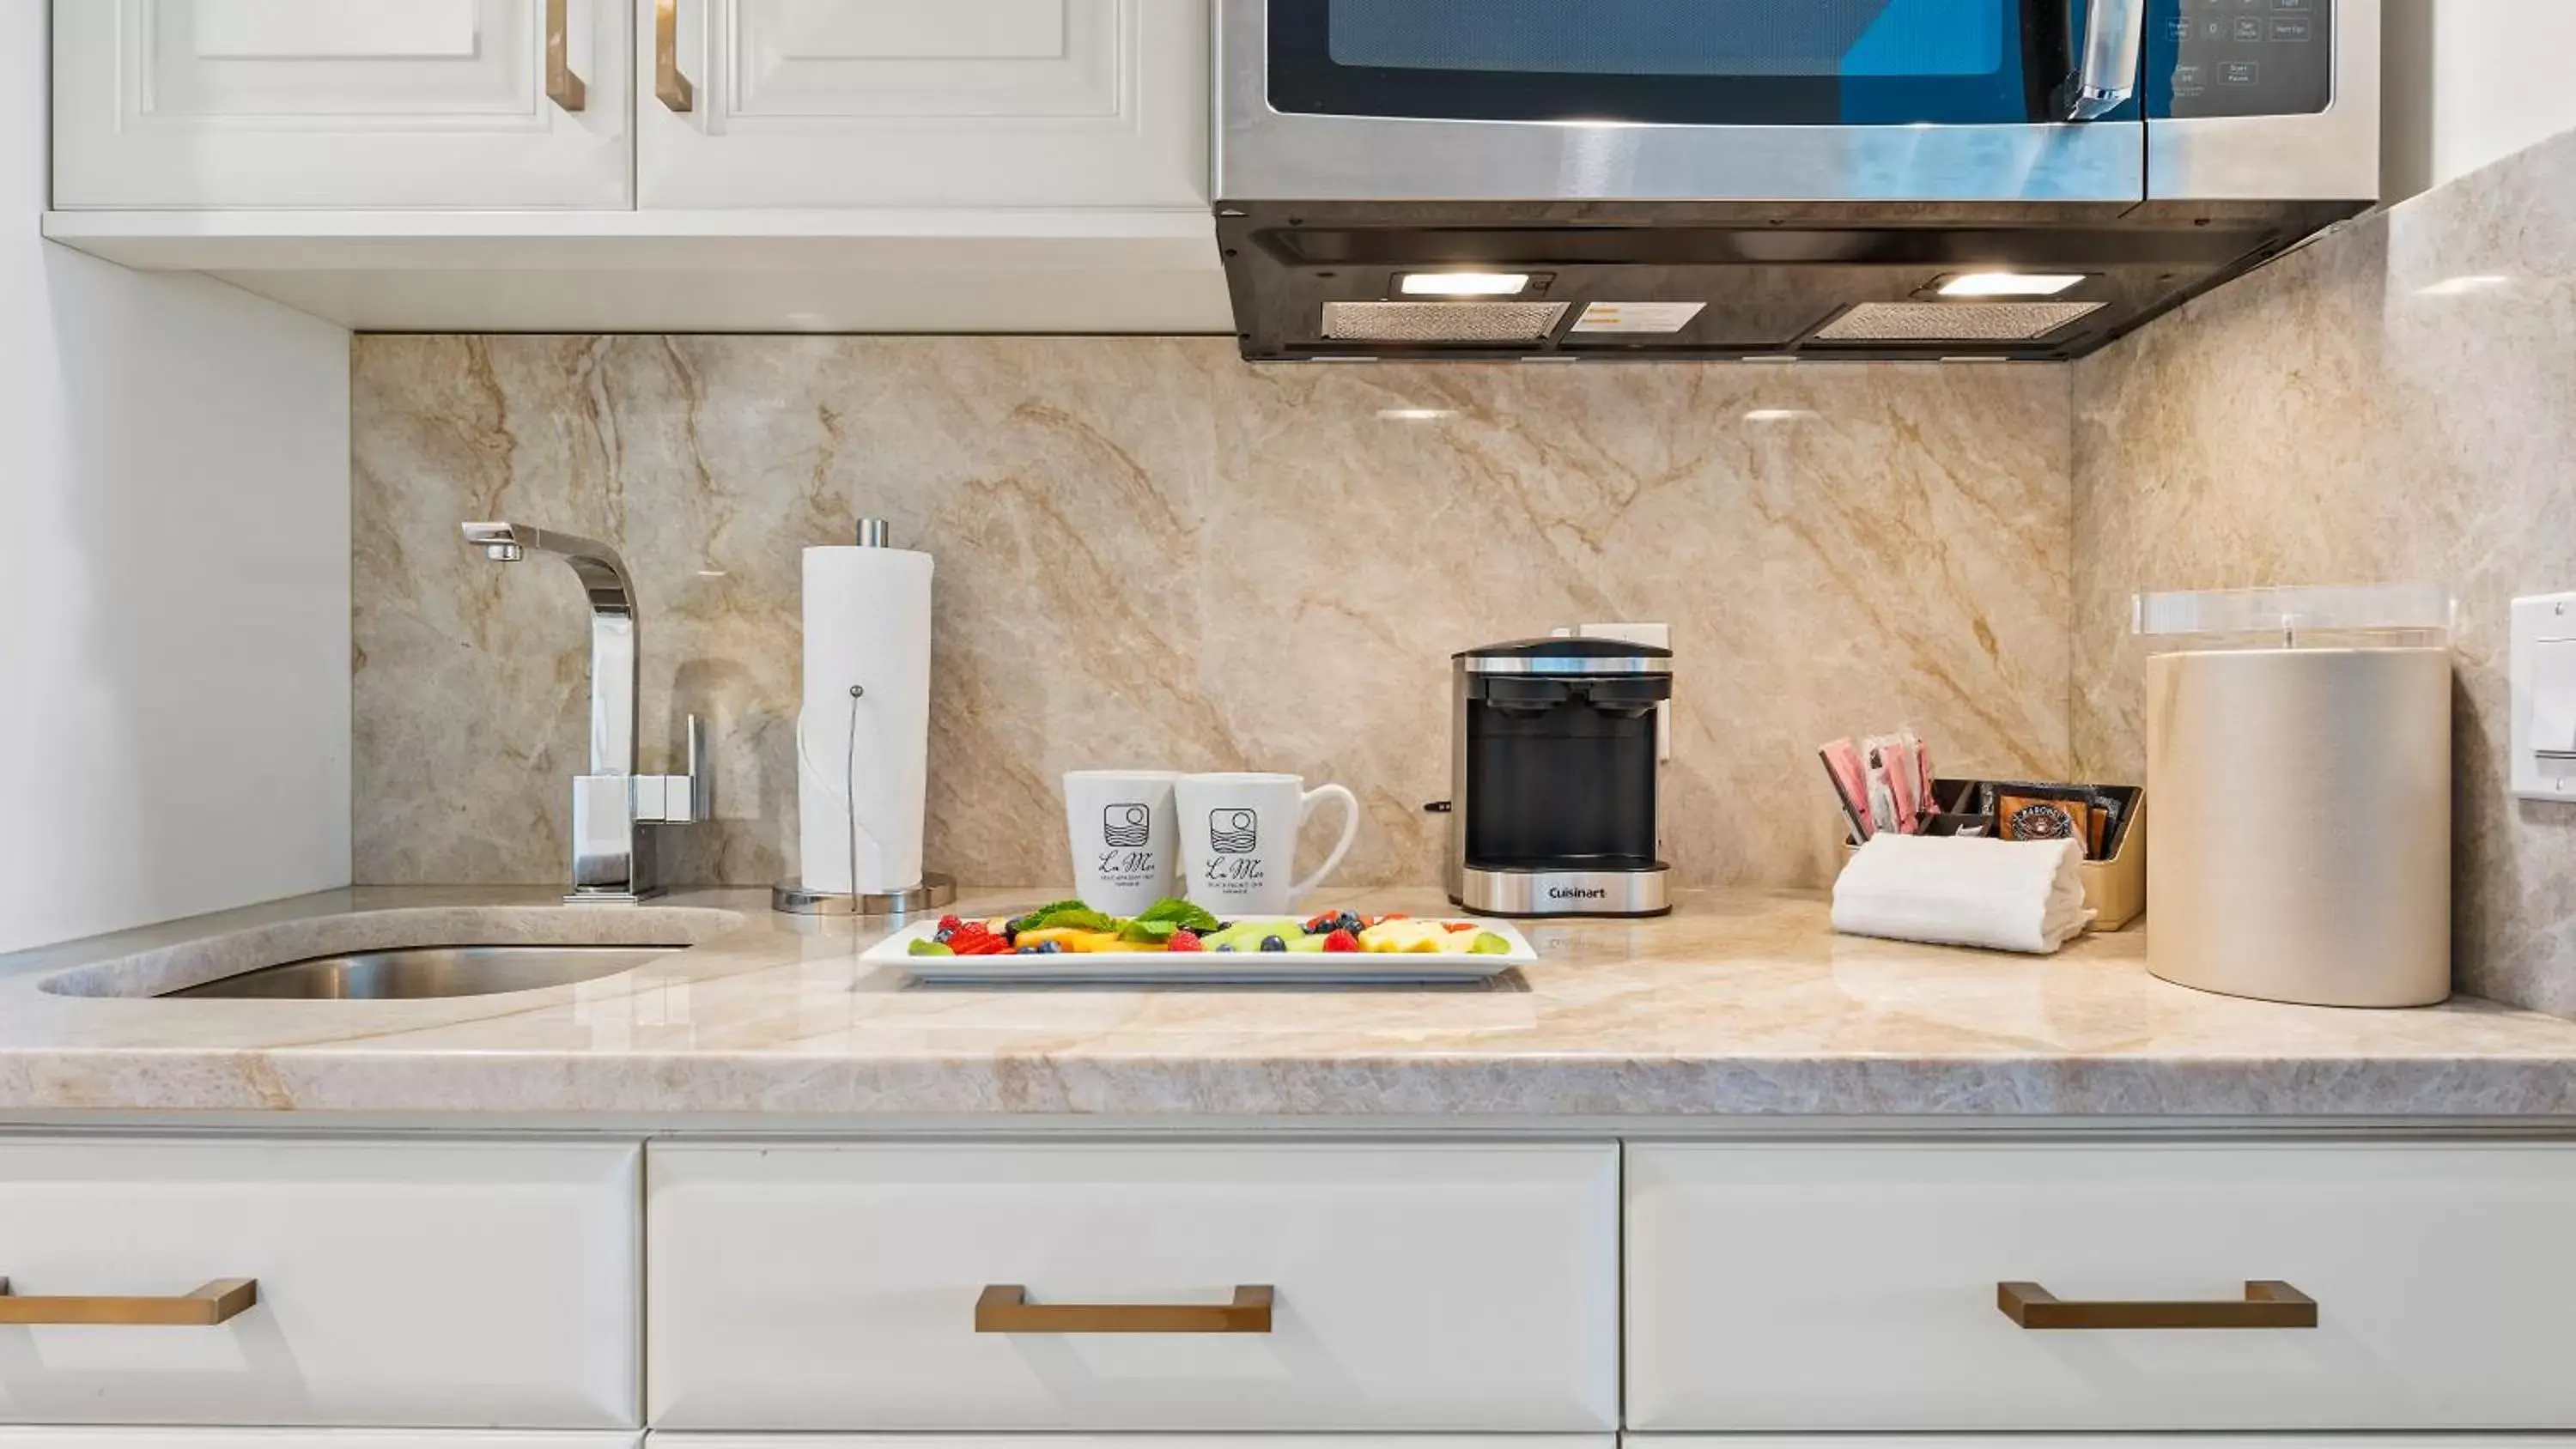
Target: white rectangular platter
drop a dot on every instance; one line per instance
(1213, 968)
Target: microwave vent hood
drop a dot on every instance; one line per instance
(1327, 280)
(1908, 180)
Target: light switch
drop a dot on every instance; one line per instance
(2553, 697)
(2543, 736)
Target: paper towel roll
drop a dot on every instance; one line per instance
(862, 761)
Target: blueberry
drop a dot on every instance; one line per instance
(1050, 948)
(1273, 943)
(943, 937)
(1226, 947)
(1030, 951)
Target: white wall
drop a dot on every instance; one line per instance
(2471, 81)
(174, 575)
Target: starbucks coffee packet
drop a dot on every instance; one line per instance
(2031, 810)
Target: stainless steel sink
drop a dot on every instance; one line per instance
(425, 971)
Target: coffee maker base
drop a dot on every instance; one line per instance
(1564, 892)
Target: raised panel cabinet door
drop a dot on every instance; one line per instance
(905, 104)
(342, 104)
(2245, 1285)
(397, 1283)
(1294, 1287)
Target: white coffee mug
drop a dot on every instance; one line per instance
(1126, 847)
(1239, 840)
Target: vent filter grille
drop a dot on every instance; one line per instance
(1441, 321)
(1953, 321)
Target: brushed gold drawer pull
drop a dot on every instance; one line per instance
(212, 1304)
(2268, 1303)
(674, 88)
(1005, 1308)
(562, 86)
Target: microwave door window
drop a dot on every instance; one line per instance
(1676, 62)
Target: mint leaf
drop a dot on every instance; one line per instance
(1179, 913)
(1151, 933)
(1067, 913)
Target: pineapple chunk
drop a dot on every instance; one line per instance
(1420, 937)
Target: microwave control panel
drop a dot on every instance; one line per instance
(2239, 57)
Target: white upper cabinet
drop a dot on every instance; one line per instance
(900, 103)
(219, 104)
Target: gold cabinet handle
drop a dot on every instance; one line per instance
(668, 83)
(212, 1304)
(1005, 1308)
(562, 86)
(2268, 1303)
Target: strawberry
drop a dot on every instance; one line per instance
(950, 923)
(1184, 941)
(1341, 941)
(973, 939)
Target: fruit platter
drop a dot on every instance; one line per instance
(1174, 941)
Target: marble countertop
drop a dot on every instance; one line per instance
(1741, 1004)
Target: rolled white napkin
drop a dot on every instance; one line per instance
(2004, 895)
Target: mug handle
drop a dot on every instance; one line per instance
(1341, 847)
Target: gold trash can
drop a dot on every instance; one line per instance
(2299, 753)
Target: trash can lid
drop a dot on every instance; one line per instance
(2332, 615)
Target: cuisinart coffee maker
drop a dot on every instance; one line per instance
(1557, 778)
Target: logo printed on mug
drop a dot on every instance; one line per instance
(1123, 838)
(1126, 824)
(1234, 831)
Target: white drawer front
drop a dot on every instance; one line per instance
(55, 1437)
(2089, 1441)
(686, 1440)
(1417, 1287)
(1855, 1286)
(400, 1283)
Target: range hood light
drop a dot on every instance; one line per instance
(2010, 284)
(1464, 284)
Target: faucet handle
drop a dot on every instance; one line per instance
(678, 799)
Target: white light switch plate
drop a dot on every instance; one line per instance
(2544, 696)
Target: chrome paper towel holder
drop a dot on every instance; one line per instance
(935, 890)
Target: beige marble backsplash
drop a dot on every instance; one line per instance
(1152, 554)
(2394, 403)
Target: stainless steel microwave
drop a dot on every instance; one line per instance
(1771, 178)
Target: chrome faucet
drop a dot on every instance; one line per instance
(612, 850)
